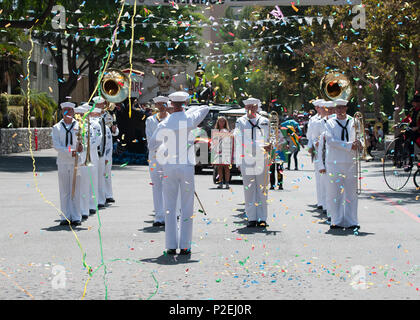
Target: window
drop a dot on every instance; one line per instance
(33, 69)
(45, 72)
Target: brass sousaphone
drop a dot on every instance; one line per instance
(335, 85)
(114, 86)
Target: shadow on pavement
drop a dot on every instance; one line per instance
(23, 163)
(64, 228)
(153, 229)
(170, 260)
(347, 232)
(398, 197)
(246, 230)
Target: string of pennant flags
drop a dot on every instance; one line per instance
(158, 44)
(226, 22)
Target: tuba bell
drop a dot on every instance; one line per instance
(114, 86)
(335, 85)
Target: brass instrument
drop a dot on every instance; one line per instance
(273, 143)
(76, 164)
(88, 160)
(359, 126)
(274, 132)
(335, 86)
(114, 86)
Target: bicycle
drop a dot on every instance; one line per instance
(398, 163)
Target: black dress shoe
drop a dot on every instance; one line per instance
(101, 206)
(185, 252)
(64, 223)
(319, 208)
(280, 187)
(251, 224)
(85, 217)
(335, 227)
(158, 224)
(271, 188)
(110, 200)
(353, 227)
(76, 223)
(324, 212)
(92, 211)
(262, 224)
(171, 251)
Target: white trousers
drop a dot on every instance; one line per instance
(156, 175)
(68, 206)
(100, 193)
(93, 190)
(323, 182)
(341, 196)
(255, 197)
(108, 181)
(180, 179)
(83, 190)
(318, 188)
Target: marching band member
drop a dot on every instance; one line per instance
(155, 169)
(108, 158)
(178, 169)
(341, 168)
(65, 142)
(317, 128)
(96, 138)
(82, 191)
(100, 192)
(251, 140)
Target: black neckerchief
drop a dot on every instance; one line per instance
(344, 131)
(68, 132)
(253, 127)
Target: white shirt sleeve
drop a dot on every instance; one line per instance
(198, 115)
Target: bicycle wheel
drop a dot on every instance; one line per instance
(396, 168)
(416, 179)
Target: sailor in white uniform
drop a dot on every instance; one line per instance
(64, 138)
(341, 168)
(109, 194)
(251, 156)
(176, 155)
(313, 134)
(155, 169)
(100, 193)
(82, 191)
(327, 108)
(96, 138)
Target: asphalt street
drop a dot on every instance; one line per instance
(296, 257)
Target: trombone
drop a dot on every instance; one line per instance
(359, 126)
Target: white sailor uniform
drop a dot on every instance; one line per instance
(340, 164)
(251, 135)
(178, 169)
(65, 141)
(155, 170)
(94, 158)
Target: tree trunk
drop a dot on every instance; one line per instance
(360, 97)
(416, 71)
(93, 78)
(377, 99)
(400, 82)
